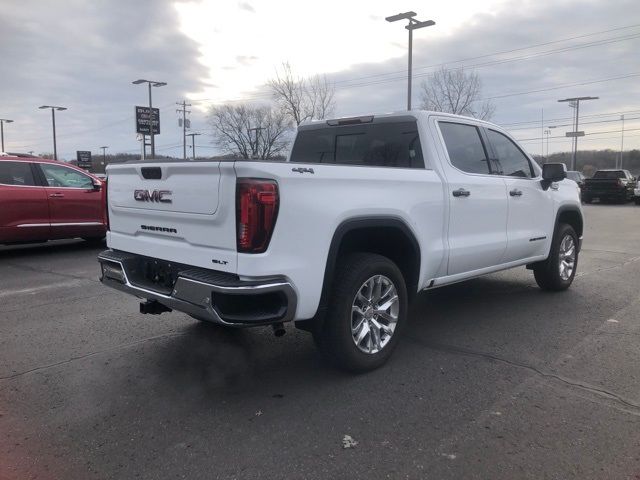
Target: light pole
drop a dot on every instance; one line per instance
(621, 140)
(2, 122)
(104, 155)
(53, 123)
(413, 25)
(576, 101)
(151, 83)
(193, 143)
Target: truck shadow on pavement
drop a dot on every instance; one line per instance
(214, 361)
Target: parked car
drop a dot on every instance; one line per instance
(44, 200)
(609, 185)
(365, 213)
(636, 195)
(577, 177)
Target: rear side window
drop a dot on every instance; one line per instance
(16, 173)
(511, 160)
(377, 145)
(465, 148)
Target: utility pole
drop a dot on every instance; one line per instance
(53, 123)
(547, 133)
(254, 146)
(151, 83)
(184, 112)
(2, 122)
(621, 140)
(104, 155)
(193, 143)
(576, 133)
(413, 25)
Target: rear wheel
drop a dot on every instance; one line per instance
(558, 271)
(587, 199)
(637, 200)
(367, 311)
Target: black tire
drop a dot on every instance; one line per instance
(637, 200)
(587, 199)
(334, 338)
(547, 273)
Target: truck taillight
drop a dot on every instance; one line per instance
(257, 202)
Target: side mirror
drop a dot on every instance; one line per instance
(553, 172)
(97, 186)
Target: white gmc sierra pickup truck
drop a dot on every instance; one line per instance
(365, 213)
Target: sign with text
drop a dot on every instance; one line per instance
(574, 134)
(146, 119)
(84, 158)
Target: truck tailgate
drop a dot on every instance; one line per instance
(157, 209)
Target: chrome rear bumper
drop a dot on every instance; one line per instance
(205, 294)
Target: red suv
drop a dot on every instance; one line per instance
(44, 200)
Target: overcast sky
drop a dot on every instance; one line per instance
(84, 54)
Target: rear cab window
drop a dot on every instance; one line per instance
(609, 174)
(383, 143)
(16, 173)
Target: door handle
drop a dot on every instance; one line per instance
(515, 193)
(56, 195)
(461, 192)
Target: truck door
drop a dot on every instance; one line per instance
(530, 217)
(477, 233)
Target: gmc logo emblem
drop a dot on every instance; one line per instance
(152, 195)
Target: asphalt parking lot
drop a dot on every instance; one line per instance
(493, 379)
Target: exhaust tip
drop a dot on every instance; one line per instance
(278, 329)
(153, 307)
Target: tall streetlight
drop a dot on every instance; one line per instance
(53, 123)
(621, 140)
(576, 101)
(104, 154)
(413, 25)
(151, 83)
(193, 143)
(2, 122)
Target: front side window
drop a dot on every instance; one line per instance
(392, 144)
(16, 173)
(511, 160)
(465, 148)
(58, 176)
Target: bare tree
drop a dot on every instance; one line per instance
(249, 131)
(302, 98)
(456, 91)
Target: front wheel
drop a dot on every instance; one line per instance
(368, 308)
(637, 200)
(558, 271)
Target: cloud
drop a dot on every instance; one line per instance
(84, 55)
(246, 6)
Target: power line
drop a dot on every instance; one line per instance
(502, 61)
(558, 87)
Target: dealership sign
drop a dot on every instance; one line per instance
(84, 158)
(146, 119)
